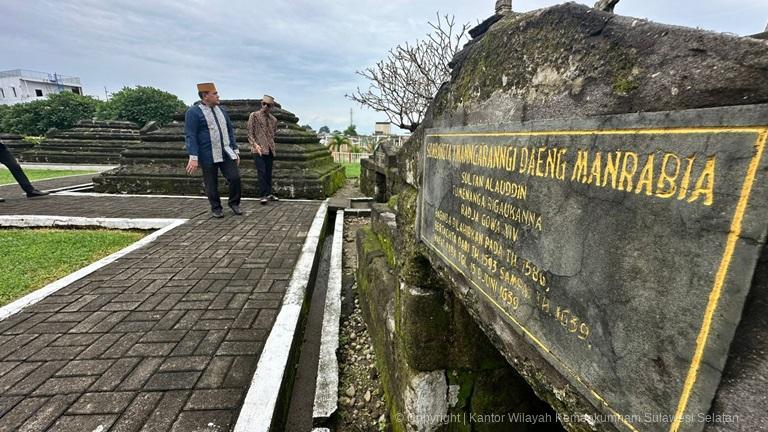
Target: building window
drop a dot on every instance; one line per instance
(75, 90)
(14, 92)
(38, 92)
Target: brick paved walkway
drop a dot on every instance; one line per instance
(166, 338)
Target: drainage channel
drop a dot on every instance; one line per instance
(306, 367)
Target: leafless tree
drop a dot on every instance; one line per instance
(403, 84)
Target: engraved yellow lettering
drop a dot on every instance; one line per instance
(612, 169)
(540, 162)
(523, 159)
(666, 186)
(646, 177)
(686, 178)
(595, 173)
(705, 185)
(561, 164)
(581, 167)
(625, 181)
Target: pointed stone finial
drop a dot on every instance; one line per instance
(606, 5)
(503, 7)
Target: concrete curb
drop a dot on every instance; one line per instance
(327, 385)
(163, 226)
(258, 409)
(67, 167)
(101, 195)
(72, 188)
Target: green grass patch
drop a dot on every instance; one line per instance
(40, 174)
(33, 258)
(353, 169)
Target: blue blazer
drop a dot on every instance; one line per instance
(198, 138)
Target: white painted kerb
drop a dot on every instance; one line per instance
(327, 384)
(162, 225)
(261, 400)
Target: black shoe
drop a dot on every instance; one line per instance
(218, 214)
(236, 210)
(273, 198)
(264, 200)
(2, 199)
(36, 193)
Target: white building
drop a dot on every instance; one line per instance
(20, 85)
(382, 128)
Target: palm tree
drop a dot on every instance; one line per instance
(338, 140)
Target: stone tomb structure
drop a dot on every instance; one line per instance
(89, 142)
(592, 190)
(622, 248)
(15, 143)
(375, 171)
(303, 168)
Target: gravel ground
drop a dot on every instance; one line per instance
(361, 398)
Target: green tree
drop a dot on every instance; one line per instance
(4, 109)
(351, 131)
(325, 129)
(337, 140)
(141, 105)
(61, 110)
(307, 127)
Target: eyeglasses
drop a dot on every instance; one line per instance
(264, 104)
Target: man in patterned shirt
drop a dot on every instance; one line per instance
(210, 140)
(262, 127)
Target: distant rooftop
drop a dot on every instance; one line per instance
(41, 76)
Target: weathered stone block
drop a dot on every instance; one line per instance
(424, 328)
(94, 142)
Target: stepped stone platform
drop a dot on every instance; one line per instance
(92, 142)
(303, 167)
(15, 143)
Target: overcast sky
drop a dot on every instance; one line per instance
(305, 53)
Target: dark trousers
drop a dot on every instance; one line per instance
(264, 167)
(230, 172)
(7, 159)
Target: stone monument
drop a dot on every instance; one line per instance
(375, 170)
(600, 214)
(89, 142)
(303, 167)
(15, 144)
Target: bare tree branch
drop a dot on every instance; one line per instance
(403, 84)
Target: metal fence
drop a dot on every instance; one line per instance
(342, 157)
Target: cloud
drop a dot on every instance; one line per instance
(305, 52)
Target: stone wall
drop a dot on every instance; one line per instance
(562, 62)
(436, 365)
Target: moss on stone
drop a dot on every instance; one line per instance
(465, 379)
(386, 247)
(424, 331)
(392, 202)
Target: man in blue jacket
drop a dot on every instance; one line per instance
(211, 145)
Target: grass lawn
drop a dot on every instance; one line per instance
(40, 174)
(32, 258)
(353, 169)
